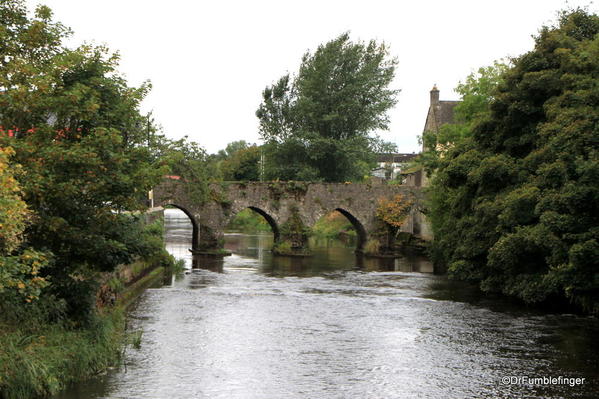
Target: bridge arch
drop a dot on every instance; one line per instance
(358, 226)
(271, 221)
(194, 224)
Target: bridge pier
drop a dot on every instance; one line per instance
(292, 244)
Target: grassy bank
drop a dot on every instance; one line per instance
(42, 350)
(40, 360)
(40, 357)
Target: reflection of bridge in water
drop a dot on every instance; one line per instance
(290, 208)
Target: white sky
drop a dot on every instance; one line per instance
(209, 61)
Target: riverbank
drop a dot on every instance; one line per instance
(42, 352)
(42, 359)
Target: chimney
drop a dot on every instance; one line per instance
(435, 95)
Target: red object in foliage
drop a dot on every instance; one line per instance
(173, 177)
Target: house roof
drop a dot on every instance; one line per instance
(442, 112)
(445, 114)
(396, 158)
(411, 170)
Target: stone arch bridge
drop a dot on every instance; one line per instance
(290, 208)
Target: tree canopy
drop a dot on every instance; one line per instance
(242, 165)
(318, 124)
(515, 203)
(76, 131)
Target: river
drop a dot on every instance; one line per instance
(333, 326)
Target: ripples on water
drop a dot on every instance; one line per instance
(334, 327)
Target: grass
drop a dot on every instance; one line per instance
(42, 360)
(248, 221)
(333, 225)
(39, 358)
(134, 339)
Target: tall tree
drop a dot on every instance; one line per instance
(519, 198)
(231, 149)
(318, 124)
(242, 165)
(76, 130)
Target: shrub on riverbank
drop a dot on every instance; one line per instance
(515, 202)
(42, 349)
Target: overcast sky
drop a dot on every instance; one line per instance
(209, 61)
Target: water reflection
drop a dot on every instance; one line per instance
(253, 251)
(336, 326)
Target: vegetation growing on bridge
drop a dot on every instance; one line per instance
(391, 213)
(515, 199)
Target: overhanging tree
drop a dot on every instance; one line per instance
(318, 125)
(76, 130)
(518, 200)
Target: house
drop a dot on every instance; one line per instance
(390, 166)
(439, 113)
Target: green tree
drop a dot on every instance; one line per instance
(517, 202)
(189, 161)
(77, 132)
(231, 149)
(318, 124)
(242, 165)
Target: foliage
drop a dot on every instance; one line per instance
(19, 276)
(14, 214)
(231, 149)
(45, 358)
(394, 211)
(242, 165)
(178, 267)
(514, 205)
(317, 125)
(248, 221)
(283, 248)
(77, 133)
(333, 225)
(372, 247)
(189, 161)
(19, 270)
(295, 231)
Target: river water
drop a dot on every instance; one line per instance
(333, 326)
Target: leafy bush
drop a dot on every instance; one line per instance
(514, 203)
